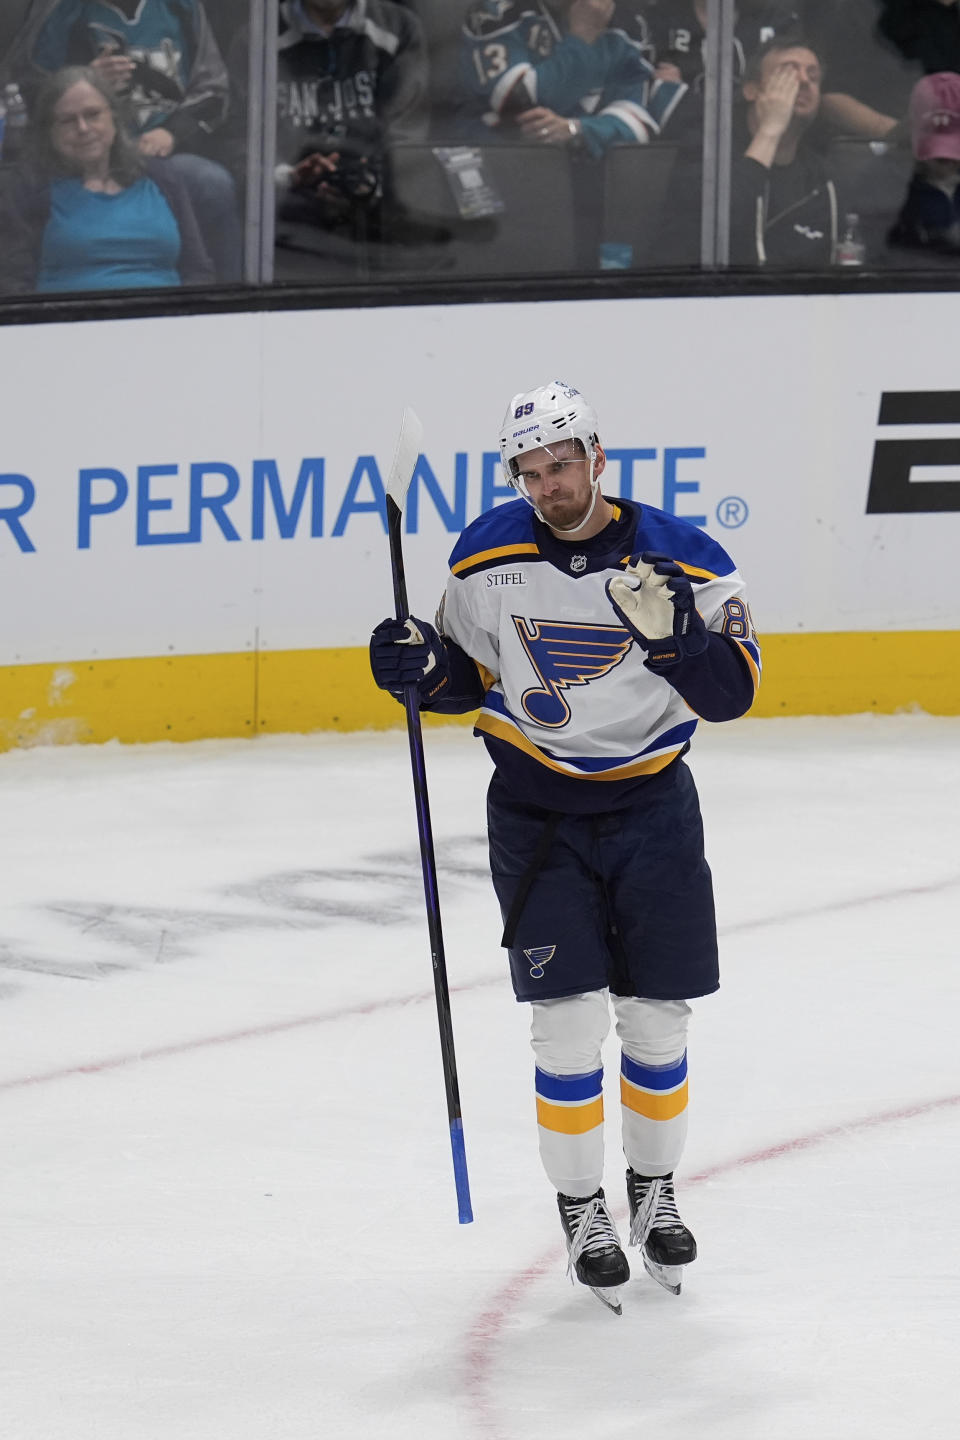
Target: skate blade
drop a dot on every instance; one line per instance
(609, 1297)
(669, 1276)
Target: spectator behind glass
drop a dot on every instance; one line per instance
(930, 218)
(677, 39)
(556, 72)
(85, 210)
(351, 78)
(783, 206)
(161, 58)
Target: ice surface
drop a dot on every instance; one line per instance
(226, 1204)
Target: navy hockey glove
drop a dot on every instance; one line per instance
(409, 652)
(654, 599)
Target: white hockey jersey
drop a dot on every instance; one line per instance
(566, 685)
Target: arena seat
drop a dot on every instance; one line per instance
(635, 183)
(533, 232)
(871, 177)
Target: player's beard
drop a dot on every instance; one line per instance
(563, 514)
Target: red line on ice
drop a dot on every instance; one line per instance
(280, 1027)
(229, 1037)
(485, 1333)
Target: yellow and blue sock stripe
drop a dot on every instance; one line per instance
(570, 1104)
(658, 1092)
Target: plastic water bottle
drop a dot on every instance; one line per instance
(851, 251)
(16, 121)
(614, 256)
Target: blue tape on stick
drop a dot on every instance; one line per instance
(460, 1172)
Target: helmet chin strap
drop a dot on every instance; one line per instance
(521, 489)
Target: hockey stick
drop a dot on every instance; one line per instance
(398, 481)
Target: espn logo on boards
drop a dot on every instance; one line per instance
(893, 491)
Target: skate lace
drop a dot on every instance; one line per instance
(595, 1229)
(656, 1211)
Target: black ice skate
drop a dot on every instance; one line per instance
(594, 1247)
(655, 1225)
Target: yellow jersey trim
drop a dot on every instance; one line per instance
(687, 569)
(493, 725)
(501, 552)
(487, 676)
(752, 664)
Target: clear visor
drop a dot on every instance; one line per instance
(567, 451)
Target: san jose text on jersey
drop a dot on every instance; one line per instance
(365, 80)
(571, 714)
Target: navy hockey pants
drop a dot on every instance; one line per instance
(621, 899)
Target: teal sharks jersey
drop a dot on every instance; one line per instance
(170, 41)
(516, 56)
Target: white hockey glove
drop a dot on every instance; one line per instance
(654, 600)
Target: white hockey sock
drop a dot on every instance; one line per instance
(654, 1112)
(653, 1081)
(570, 1125)
(567, 1035)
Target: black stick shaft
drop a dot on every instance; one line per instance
(430, 891)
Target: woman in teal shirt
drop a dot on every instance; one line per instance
(87, 211)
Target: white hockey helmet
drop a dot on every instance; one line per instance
(537, 418)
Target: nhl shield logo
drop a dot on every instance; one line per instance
(578, 563)
(539, 955)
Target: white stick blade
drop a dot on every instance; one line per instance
(405, 457)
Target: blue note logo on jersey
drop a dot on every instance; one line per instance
(539, 955)
(563, 655)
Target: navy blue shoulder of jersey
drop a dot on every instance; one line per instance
(501, 536)
(663, 534)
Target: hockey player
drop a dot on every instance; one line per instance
(555, 72)
(592, 632)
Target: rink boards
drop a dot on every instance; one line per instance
(192, 532)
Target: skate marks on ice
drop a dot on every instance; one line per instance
(382, 889)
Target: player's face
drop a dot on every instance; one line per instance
(558, 481)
